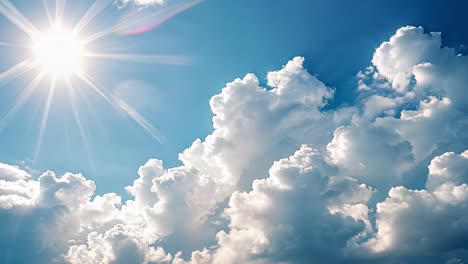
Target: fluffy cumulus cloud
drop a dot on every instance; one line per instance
(297, 214)
(43, 216)
(281, 179)
(116, 245)
(11, 173)
(431, 224)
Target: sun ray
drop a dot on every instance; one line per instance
(15, 16)
(140, 120)
(105, 32)
(21, 100)
(59, 11)
(147, 58)
(89, 81)
(45, 117)
(97, 124)
(16, 70)
(110, 30)
(91, 13)
(98, 35)
(121, 105)
(50, 48)
(76, 115)
(47, 11)
(13, 45)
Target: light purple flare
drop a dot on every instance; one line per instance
(145, 19)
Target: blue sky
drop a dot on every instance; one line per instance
(355, 110)
(225, 40)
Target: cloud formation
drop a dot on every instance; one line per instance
(442, 208)
(297, 214)
(280, 179)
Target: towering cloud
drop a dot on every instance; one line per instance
(428, 225)
(297, 214)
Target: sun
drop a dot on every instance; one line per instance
(61, 53)
(58, 51)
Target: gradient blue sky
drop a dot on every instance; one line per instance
(225, 40)
(355, 152)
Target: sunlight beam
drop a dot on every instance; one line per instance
(121, 105)
(76, 115)
(47, 11)
(98, 35)
(90, 14)
(21, 100)
(13, 45)
(59, 11)
(89, 81)
(16, 70)
(15, 16)
(103, 33)
(45, 117)
(140, 120)
(147, 58)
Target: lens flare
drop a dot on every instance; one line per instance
(140, 21)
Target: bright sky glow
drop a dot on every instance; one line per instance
(58, 52)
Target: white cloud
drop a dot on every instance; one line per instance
(44, 216)
(413, 56)
(377, 105)
(11, 173)
(370, 153)
(429, 223)
(117, 245)
(433, 123)
(409, 47)
(448, 168)
(287, 216)
(180, 200)
(400, 218)
(18, 193)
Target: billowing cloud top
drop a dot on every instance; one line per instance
(280, 179)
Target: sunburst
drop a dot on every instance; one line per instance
(62, 54)
(58, 51)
